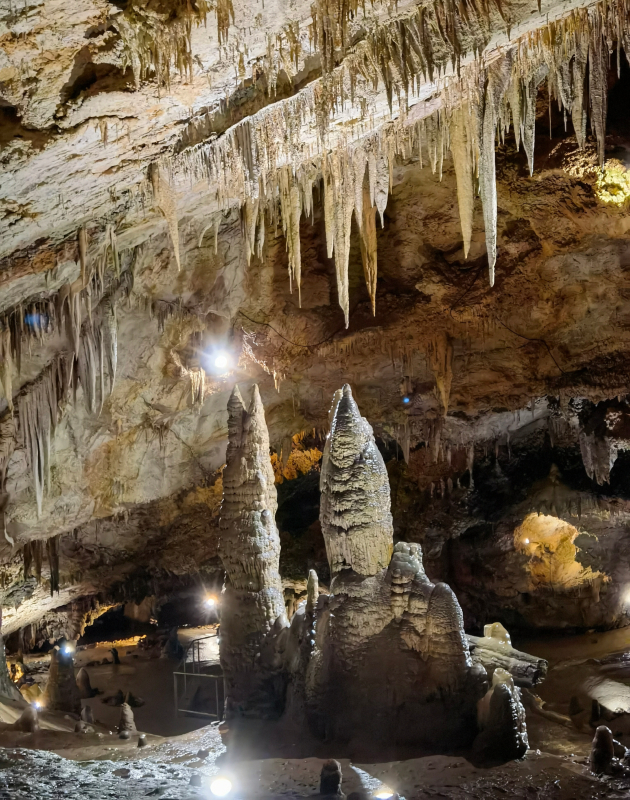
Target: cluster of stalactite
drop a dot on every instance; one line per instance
(268, 164)
(87, 312)
(33, 555)
(157, 37)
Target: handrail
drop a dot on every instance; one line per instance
(194, 645)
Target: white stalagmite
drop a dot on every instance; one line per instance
(355, 505)
(249, 548)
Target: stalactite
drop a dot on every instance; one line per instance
(368, 246)
(83, 253)
(164, 198)
(6, 366)
(157, 36)
(463, 161)
(598, 82)
(441, 362)
(291, 207)
(339, 206)
(52, 551)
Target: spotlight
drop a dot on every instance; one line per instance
(210, 602)
(67, 649)
(37, 704)
(221, 361)
(526, 541)
(221, 787)
(384, 794)
(405, 401)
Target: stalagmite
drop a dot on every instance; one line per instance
(383, 616)
(127, 721)
(355, 505)
(84, 685)
(165, 200)
(62, 692)
(28, 721)
(249, 548)
(312, 591)
(502, 721)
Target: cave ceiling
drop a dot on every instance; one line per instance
(178, 181)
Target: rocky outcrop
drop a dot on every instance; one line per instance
(249, 546)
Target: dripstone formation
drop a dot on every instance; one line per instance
(249, 547)
(383, 657)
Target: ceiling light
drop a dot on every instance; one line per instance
(221, 787)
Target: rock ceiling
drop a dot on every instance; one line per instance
(297, 186)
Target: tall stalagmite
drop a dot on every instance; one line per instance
(62, 692)
(250, 551)
(355, 505)
(390, 661)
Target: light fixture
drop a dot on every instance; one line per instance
(405, 401)
(526, 541)
(384, 794)
(221, 787)
(67, 649)
(37, 704)
(210, 602)
(221, 361)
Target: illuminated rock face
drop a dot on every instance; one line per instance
(249, 547)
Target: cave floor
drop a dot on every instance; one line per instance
(59, 763)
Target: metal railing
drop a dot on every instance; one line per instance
(190, 669)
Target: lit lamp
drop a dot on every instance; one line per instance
(383, 793)
(221, 361)
(210, 602)
(221, 787)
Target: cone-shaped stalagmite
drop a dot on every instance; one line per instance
(355, 505)
(250, 551)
